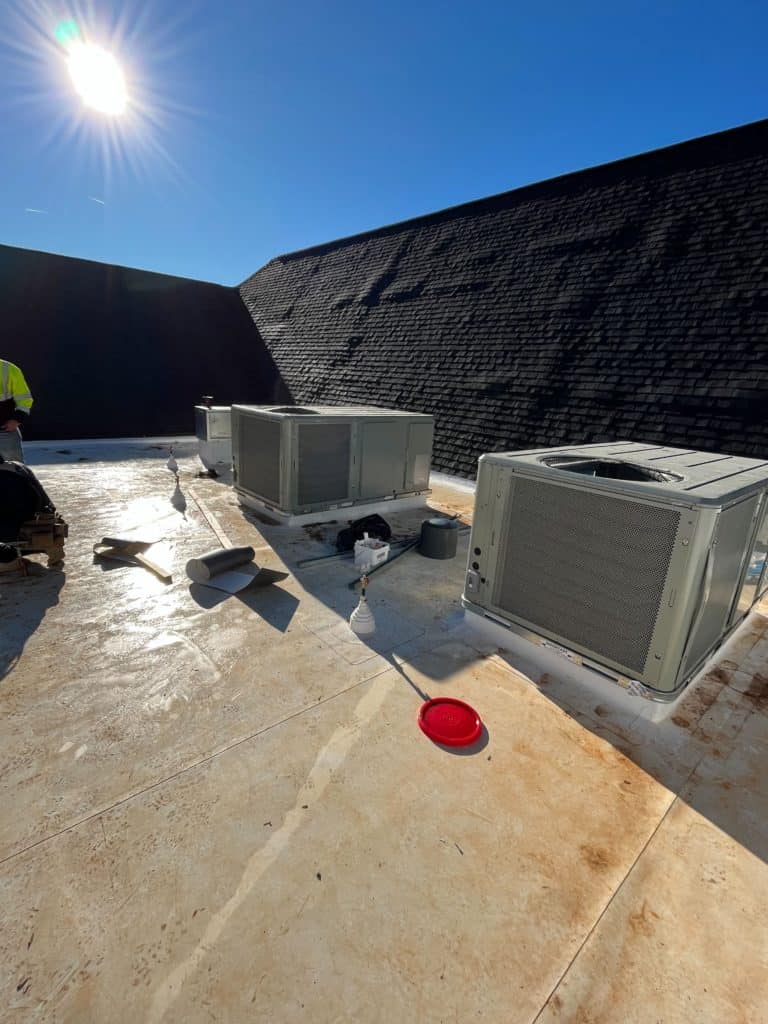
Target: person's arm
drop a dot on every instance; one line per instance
(22, 398)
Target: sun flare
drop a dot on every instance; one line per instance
(93, 82)
(98, 78)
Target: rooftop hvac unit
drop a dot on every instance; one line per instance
(214, 435)
(299, 462)
(632, 559)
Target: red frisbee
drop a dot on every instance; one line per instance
(450, 722)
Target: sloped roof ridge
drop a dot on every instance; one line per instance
(740, 139)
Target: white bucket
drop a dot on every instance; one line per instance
(370, 552)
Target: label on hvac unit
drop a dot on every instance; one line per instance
(563, 652)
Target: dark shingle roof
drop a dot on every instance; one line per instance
(625, 301)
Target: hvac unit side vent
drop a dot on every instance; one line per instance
(587, 566)
(259, 446)
(324, 450)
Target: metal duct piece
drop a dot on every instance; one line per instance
(204, 568)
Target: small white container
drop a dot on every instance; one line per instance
(370, 552)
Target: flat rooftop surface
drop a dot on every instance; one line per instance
(220, 808)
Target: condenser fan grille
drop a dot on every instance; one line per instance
(589, 568)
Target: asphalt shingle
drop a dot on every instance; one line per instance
(628, 300)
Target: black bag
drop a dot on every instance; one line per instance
(21, 498)
(373, 525)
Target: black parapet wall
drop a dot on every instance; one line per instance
(114, 352)
(628, 301)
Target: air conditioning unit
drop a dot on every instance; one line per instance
(633, 559)
(214, 434)
(308, 462)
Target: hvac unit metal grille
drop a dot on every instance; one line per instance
(323, 462)
(259, 457)
(587, 567)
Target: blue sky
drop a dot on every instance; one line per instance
(259, 128)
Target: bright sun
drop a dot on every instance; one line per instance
(98, 78)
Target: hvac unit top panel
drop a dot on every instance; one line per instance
(645, 470)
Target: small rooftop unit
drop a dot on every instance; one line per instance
(307, 462)
(214, 435)
(633, 559)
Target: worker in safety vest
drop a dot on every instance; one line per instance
(15, 406)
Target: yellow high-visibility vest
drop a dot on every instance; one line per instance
(13, 385)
